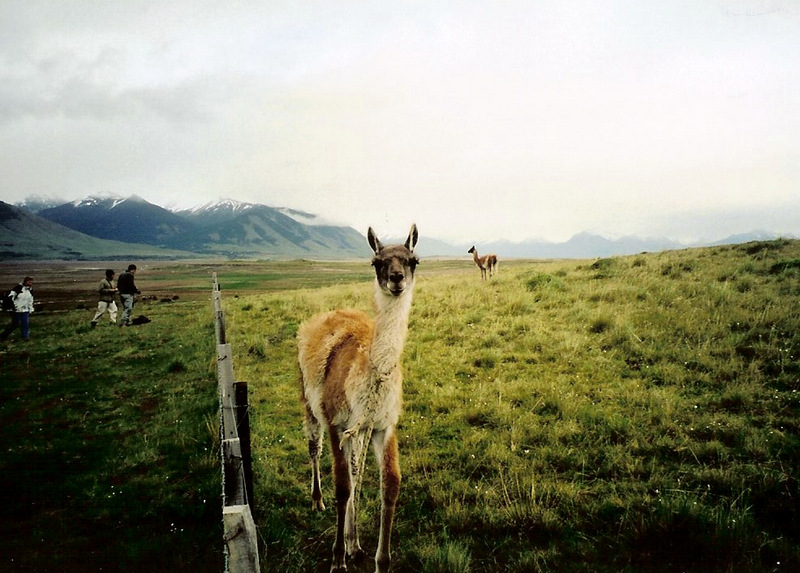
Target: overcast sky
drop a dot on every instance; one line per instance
(478, 120)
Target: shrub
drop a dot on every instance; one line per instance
(452, 557)
(538, 281)
(783, 266)
(600, 325)
(176, 366)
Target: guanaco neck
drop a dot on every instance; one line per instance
(477, 259)
(391, 326)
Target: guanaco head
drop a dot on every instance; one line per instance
(472, 250)
(394, 265)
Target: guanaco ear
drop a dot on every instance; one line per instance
(373, 241)
(413, 237)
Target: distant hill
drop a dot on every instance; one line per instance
(588, 246)
(25, 236)
(746, 238)
(581, 246)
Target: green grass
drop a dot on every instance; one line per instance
(621, 415)
(629, 414)
(108, 457)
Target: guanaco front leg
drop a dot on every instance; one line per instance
(385, 445)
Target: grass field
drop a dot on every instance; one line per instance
(626, 414)
(107, 460)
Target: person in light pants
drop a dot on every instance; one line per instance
(106, 302)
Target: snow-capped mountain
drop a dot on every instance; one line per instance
(26, 236)
(128, 219)
(107, 201)
(226, 227)
(228, 206)
(248, 228)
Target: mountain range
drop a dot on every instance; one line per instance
(100, 227)
(226, 228)
(24, 236)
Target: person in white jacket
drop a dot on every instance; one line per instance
(22, 295)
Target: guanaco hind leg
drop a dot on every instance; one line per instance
(355, 451)
(314, 435)
(341, 480)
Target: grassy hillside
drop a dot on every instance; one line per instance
(628, 414)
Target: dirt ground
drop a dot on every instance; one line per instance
(70, 285)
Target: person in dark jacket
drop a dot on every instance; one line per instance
(127, 294)
(106, 303)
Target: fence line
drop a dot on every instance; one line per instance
(241, 541)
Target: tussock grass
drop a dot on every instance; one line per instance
(628, 414)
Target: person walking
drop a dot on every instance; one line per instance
(127, 294)
(106, 302)
(22, 296)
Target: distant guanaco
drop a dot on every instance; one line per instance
(486, 262)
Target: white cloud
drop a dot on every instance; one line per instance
(487, 120)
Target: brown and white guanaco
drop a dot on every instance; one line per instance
(486, 262)
(352, 387)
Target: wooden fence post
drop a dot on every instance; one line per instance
(226, 395)
(219, 316)
(243, 429)
(232, 466)
(241, 541)
(240, 538)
